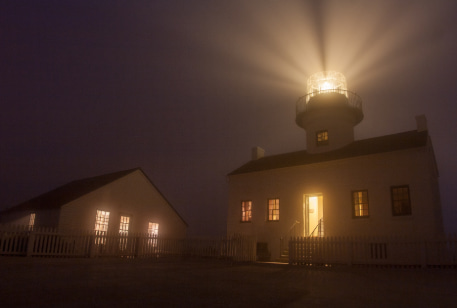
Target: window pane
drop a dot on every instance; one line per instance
(32, 221)
(401, 203)
(101, 226)
(124, 225)
(273, 209)
(124, 232)
(101, 221)
(153, 229)
(153, 232)
(246, 211)
(360, 203)
(322, 137)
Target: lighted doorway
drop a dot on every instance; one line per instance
(313, 206)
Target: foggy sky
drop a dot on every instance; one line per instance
(184, 89)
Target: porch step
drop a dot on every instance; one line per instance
(283, 259)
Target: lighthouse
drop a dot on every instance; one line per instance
(328, 112)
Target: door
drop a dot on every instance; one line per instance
(313, 214)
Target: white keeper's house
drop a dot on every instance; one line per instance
(338, 186)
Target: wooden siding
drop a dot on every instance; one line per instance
(133, 196)
(335, 180)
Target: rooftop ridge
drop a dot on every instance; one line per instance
(70, 191)
(374, 145)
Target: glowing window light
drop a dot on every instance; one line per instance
(246, 211)
(31, 221)
(322, 137)
(101, 226)
(124, 225)
(153, 229)
(153, 232)
(124, 232)
(273, 209)
(360, 203)
(326, 81)
(101, 221)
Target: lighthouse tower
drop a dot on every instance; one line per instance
(328, 112)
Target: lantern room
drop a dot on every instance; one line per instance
(328, 112)
(325, 82)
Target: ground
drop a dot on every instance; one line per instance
(46, 282)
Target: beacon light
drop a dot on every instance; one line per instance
(325, 82)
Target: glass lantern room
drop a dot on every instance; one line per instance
(325, 82)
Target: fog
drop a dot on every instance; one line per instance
(184, 90)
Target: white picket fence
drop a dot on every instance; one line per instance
(46, 242)
(392, 251)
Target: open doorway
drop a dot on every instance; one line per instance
(313, 210)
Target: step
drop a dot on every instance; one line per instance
(283, 259)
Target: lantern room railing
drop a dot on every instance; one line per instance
(352, 99)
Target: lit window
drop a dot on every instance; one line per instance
(322, 137)
(31, 221)
(246, 211)
(401, 202)
(360, 203)
(153, 231)
(273, 209)
(123, 232)
(124, 226)
(101, 226)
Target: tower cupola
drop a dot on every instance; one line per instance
(328, 113)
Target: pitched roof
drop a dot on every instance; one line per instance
(62, 195)
(388, 143)
(69, 192)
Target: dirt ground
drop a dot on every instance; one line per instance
(41, 282)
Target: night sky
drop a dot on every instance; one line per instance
(185, 89)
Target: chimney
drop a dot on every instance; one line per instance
(421, 122)
(257, 152)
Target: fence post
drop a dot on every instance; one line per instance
(92, 246)
(30, 243)
(292, 252)
(138, 246)
(423, 252)
(349, 251)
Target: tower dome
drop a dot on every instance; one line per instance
(329, 112)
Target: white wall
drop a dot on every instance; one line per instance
(336, 180)
(132, 196)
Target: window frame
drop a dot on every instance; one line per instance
(101, 220)
(122, 224)
(153, 233)
(356, 206)
(319, 140)
(153, 229)
(405, 206)
(272, 211)
(32, 219)
(244, 211)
